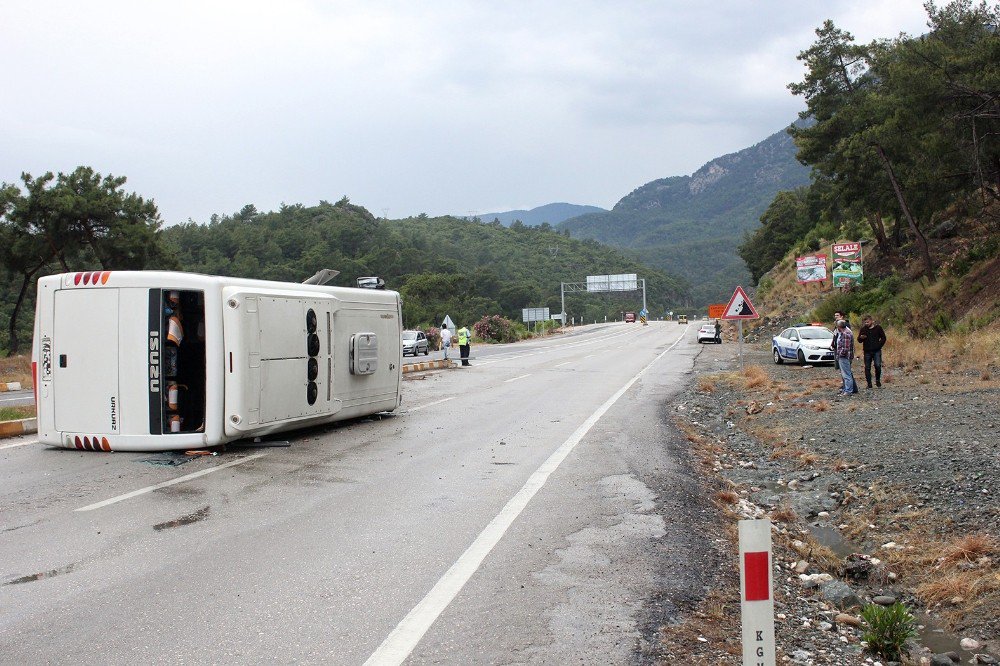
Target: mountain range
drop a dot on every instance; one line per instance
(552, 213)
(689, 225)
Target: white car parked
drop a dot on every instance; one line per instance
(804, 343)
(707, 334)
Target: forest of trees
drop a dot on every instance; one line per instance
(447, 265)
(443, 265)
(898, 132)
(70, 222)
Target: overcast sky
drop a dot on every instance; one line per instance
(404, 107)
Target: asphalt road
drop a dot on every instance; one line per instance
(508, 514)
(17, 398)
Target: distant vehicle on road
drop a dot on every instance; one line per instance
(707, 334)
(682, 319)
(629, 317)
(803, 343)
(415, 342)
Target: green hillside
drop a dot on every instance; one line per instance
(443, 265)
(692, 225)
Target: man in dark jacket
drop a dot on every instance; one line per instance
(872, 338)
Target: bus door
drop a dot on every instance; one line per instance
(85, 361)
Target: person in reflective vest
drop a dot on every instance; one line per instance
(464, 336)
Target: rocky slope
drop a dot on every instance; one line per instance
(881, 497)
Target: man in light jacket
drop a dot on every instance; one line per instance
(844, 353)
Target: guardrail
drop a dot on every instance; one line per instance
(429, 365)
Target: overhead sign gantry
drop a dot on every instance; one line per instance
(603, 284)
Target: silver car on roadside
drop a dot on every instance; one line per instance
(415, 342)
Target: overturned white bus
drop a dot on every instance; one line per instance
(153, 361)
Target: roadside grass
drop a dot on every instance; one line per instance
(16, 413)
(706, 384)
(16, 369)
(710, 627)
(819, 556)
(971, 548)
(756, 377)
(957, 349)
(727, 497)
(956, 578)
(784, 514)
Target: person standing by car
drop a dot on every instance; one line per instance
(464, 337)
(445, 340)
(718, 332)
(872, 339)
(844, 353)
(837, 318)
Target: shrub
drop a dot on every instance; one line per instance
(433, 334)
(494, 328)
(887, 629)
(765, 286)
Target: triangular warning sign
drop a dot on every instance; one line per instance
(740, 306)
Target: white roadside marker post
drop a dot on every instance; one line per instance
(756, 600)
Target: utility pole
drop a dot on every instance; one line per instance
(562, 297)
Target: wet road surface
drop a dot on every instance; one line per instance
(504, 515)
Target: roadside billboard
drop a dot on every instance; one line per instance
(810, 268)
(847, 268)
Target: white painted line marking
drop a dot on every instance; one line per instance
(404, 638)
(559, 365)
(514, 379)
(589, 355)
(172, 482)
(16, 444)
(429, 404)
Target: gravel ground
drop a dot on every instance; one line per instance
(890, 494)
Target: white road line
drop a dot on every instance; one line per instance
(559, 365)
(514, 379)
(404, 638)
(16, 444)
(429, 404)
(590, 356)
(172, 482)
